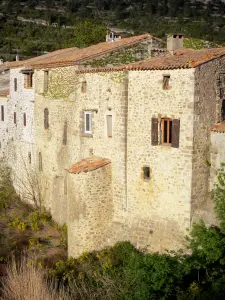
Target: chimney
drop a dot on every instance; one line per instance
(1, 61)
(17, 57)
(175, 42)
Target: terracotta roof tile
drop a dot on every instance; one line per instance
(219, 127)
(89, 164)
(185, 58)
(77, 56)
(4, 93)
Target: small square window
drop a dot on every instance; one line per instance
(166, 82)
(146, 173)
(87, 122)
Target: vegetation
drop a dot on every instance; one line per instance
(119, 272)
(70, 25)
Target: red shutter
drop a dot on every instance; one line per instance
(155, 131)
(175, 133)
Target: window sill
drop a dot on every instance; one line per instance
(89, 135)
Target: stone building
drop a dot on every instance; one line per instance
(121, 149)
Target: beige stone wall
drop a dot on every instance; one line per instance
(90, 210)
(207, 112)
(154, 213)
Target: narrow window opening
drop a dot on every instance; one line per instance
(84, 87)
(223, 111)
(46, 118)
(40, 161)
(14, 117)
(146, 173)
(109, 125)
(29, 157)
(65, 185)
(65, 134)
(24, 120)
(87, 122)
(46, 78)
(166, 131)
(15, 84)
(166, 82)
(2, 113)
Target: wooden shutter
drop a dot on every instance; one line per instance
(155, 131)
(175, 133)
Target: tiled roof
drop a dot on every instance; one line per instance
(4, 93)
(219, 127)
(28, 62)
(89, 164)
(77, 56)
(186, 58)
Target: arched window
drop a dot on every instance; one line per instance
(46, 118)
(223, 110)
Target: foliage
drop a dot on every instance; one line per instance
(17, 223)
(37, 219)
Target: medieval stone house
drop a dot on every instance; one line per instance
(121, 149)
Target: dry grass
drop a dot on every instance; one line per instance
(25, 281)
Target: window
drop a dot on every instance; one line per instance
(65, 134)
(87, 122)
(166, 82)
(46, 81)
(84, 87)
(14, 117)
(109, 125)
(146, 173)
(15, 84)
(223, 111)
(2, 113)
(28, 80)
(46, 118)
(24, 120)
(166, 127)
(29, 157)
(40, 161)
(169, 134)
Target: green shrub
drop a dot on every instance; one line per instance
(17, 223)
(37, 219)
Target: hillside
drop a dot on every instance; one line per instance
(32, 27)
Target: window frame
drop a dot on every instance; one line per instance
(88, 113)
(168, 133)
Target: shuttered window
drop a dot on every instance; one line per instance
(170, 132)
(15, 84)
(46, 118)
(28, 80)
(2, 113)
(109, 125)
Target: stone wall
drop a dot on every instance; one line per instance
(3, 127)
(20, 154)
(90, 210)
(207, 112)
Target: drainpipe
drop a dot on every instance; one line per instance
(125, 100)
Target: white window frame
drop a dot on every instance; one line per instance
(90, 114)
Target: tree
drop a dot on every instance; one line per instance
(88, 33)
